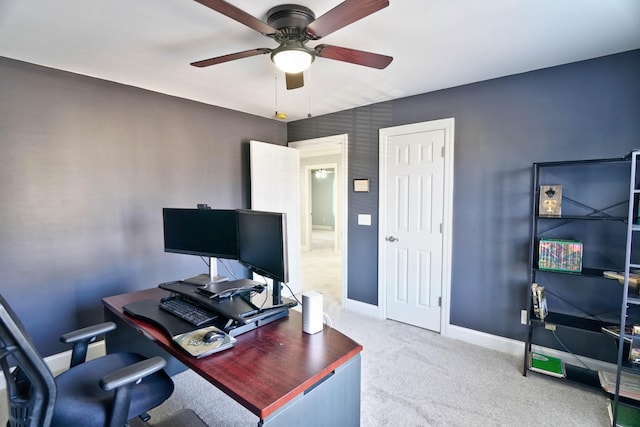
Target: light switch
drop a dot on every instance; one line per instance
(364, 219)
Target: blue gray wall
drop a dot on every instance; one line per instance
(584, 110)
(87, 166)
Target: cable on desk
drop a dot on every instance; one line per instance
(225, 263)
(327, 319)
(325, 316)
(205, 262)
(292, 294)
(227, 266)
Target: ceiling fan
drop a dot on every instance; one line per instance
(292, 26)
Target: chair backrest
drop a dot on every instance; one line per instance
(31, 388)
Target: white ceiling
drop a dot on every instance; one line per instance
(435, 44)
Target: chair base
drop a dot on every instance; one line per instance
(183, 418)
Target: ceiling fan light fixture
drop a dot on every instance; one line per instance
(292, 57)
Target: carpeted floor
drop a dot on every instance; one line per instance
(181, 418)
(321, 267)
(414, 377)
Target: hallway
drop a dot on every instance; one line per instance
(321, 267)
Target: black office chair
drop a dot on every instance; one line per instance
(106, 391)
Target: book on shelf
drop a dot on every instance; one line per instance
(634, 350)
(550, 203)
(540, 308)
(627, 416)
(614, 330)
(547, 365)
(634, 278)
(629, 384)
(560, 255)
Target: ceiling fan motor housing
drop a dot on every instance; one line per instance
(290, 16)
(290, 20)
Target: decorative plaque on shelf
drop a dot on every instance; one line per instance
(550, 200)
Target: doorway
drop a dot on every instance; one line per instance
(323, 167)
(415, 216)
(322, 206)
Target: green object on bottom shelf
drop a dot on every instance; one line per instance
(547, 365)
(628, 416)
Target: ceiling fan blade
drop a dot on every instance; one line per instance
(354, 56)
(294, 80)
(230, 57)
(239, 15)
(345, 13)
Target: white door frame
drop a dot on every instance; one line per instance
(342, 185)
(448, 125)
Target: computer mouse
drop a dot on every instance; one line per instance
(212, 336)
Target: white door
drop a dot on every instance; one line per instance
(275, 187)
(413, 232)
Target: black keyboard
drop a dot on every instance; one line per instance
(187, 311)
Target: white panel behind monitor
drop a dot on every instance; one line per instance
(275, 187)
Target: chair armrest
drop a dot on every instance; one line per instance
(81, 338)
(132, 373)
(88, 333)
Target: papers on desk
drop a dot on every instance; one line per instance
(193, 342)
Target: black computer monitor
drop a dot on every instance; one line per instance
(262, 246)
(204, 232)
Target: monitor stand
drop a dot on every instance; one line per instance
(203, 280)
(277, 293)
(213, 271)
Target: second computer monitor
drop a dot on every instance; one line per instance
(262, 243)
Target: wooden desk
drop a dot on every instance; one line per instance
(279, 373)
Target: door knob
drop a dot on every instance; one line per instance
(391, 239)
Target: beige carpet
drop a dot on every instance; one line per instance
(182, 418)
(321, 267)
(413, 377)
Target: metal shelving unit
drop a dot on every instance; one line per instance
(618, 215)
(579, 214)
(628, 301)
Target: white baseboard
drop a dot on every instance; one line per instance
(362, 308)
(516, 348)
(493, 342)
(60, 362)
(483, 339)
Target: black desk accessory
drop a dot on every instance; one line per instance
(241, 315)
(149, 310)
(187, 336)
(237, 308)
